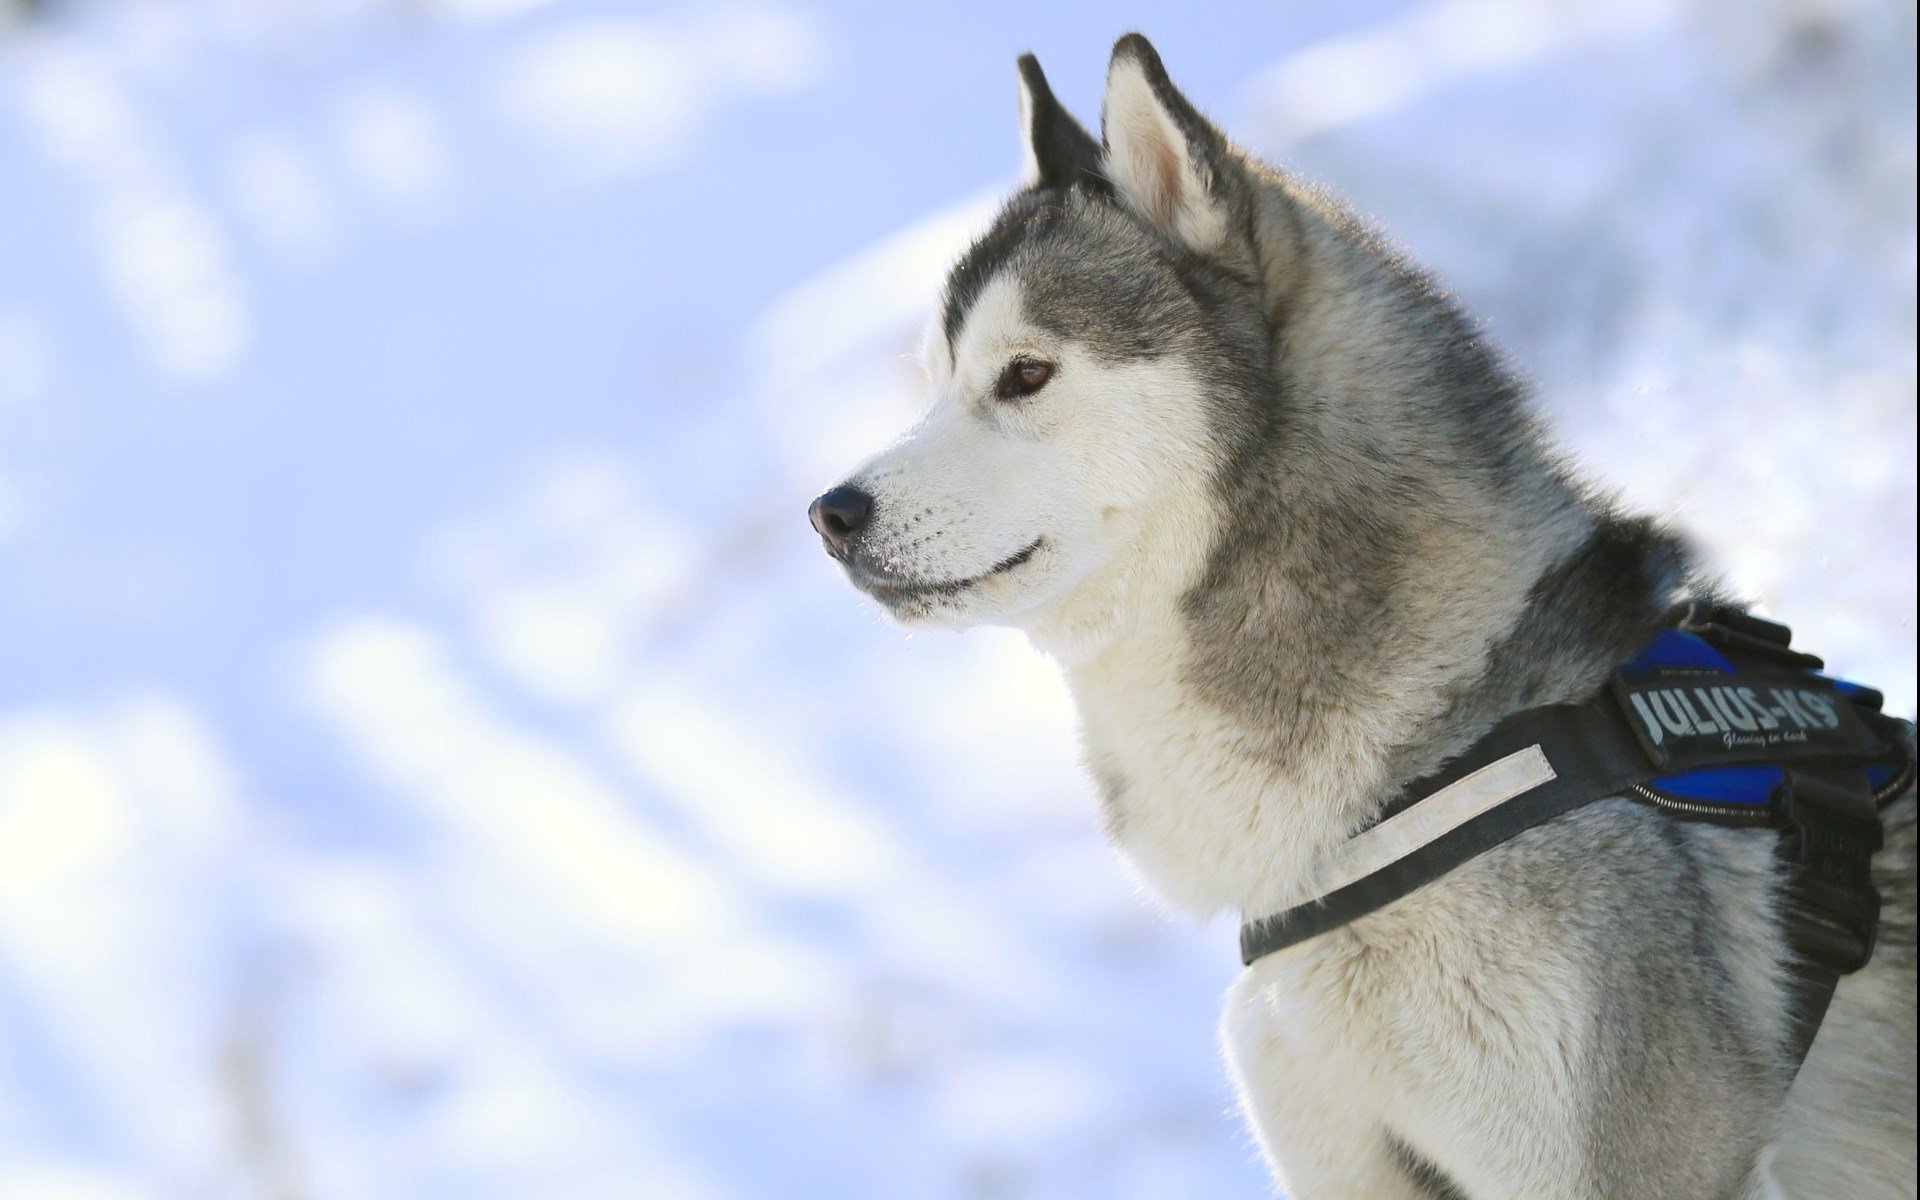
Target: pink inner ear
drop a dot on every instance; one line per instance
(1155, 164)
(1152, 168)
(1163, 169)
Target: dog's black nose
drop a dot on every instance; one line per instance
(838, 516)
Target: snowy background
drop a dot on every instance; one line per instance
(435, 757)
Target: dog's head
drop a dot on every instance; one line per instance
(1088, 367)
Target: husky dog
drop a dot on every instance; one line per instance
(1285, 521)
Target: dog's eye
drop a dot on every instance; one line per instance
(1023, 377)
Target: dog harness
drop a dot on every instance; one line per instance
(1717, 720)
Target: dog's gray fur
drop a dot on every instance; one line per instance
(1368, 558)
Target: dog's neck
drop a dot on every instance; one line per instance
(1393, 567)
(1243, 727)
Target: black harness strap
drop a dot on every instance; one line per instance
(1585, 748)
(1830, 829)
(1656, 724)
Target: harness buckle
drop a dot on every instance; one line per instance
(1829, 832)
(1730, 640)
(1739, 620)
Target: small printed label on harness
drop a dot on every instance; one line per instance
(1738, 716)
(1692, 720)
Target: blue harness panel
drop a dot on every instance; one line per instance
(1679, 652)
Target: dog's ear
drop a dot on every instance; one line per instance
(1166, 161)
(1059, 152)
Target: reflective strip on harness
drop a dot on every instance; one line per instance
(1438, 815)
